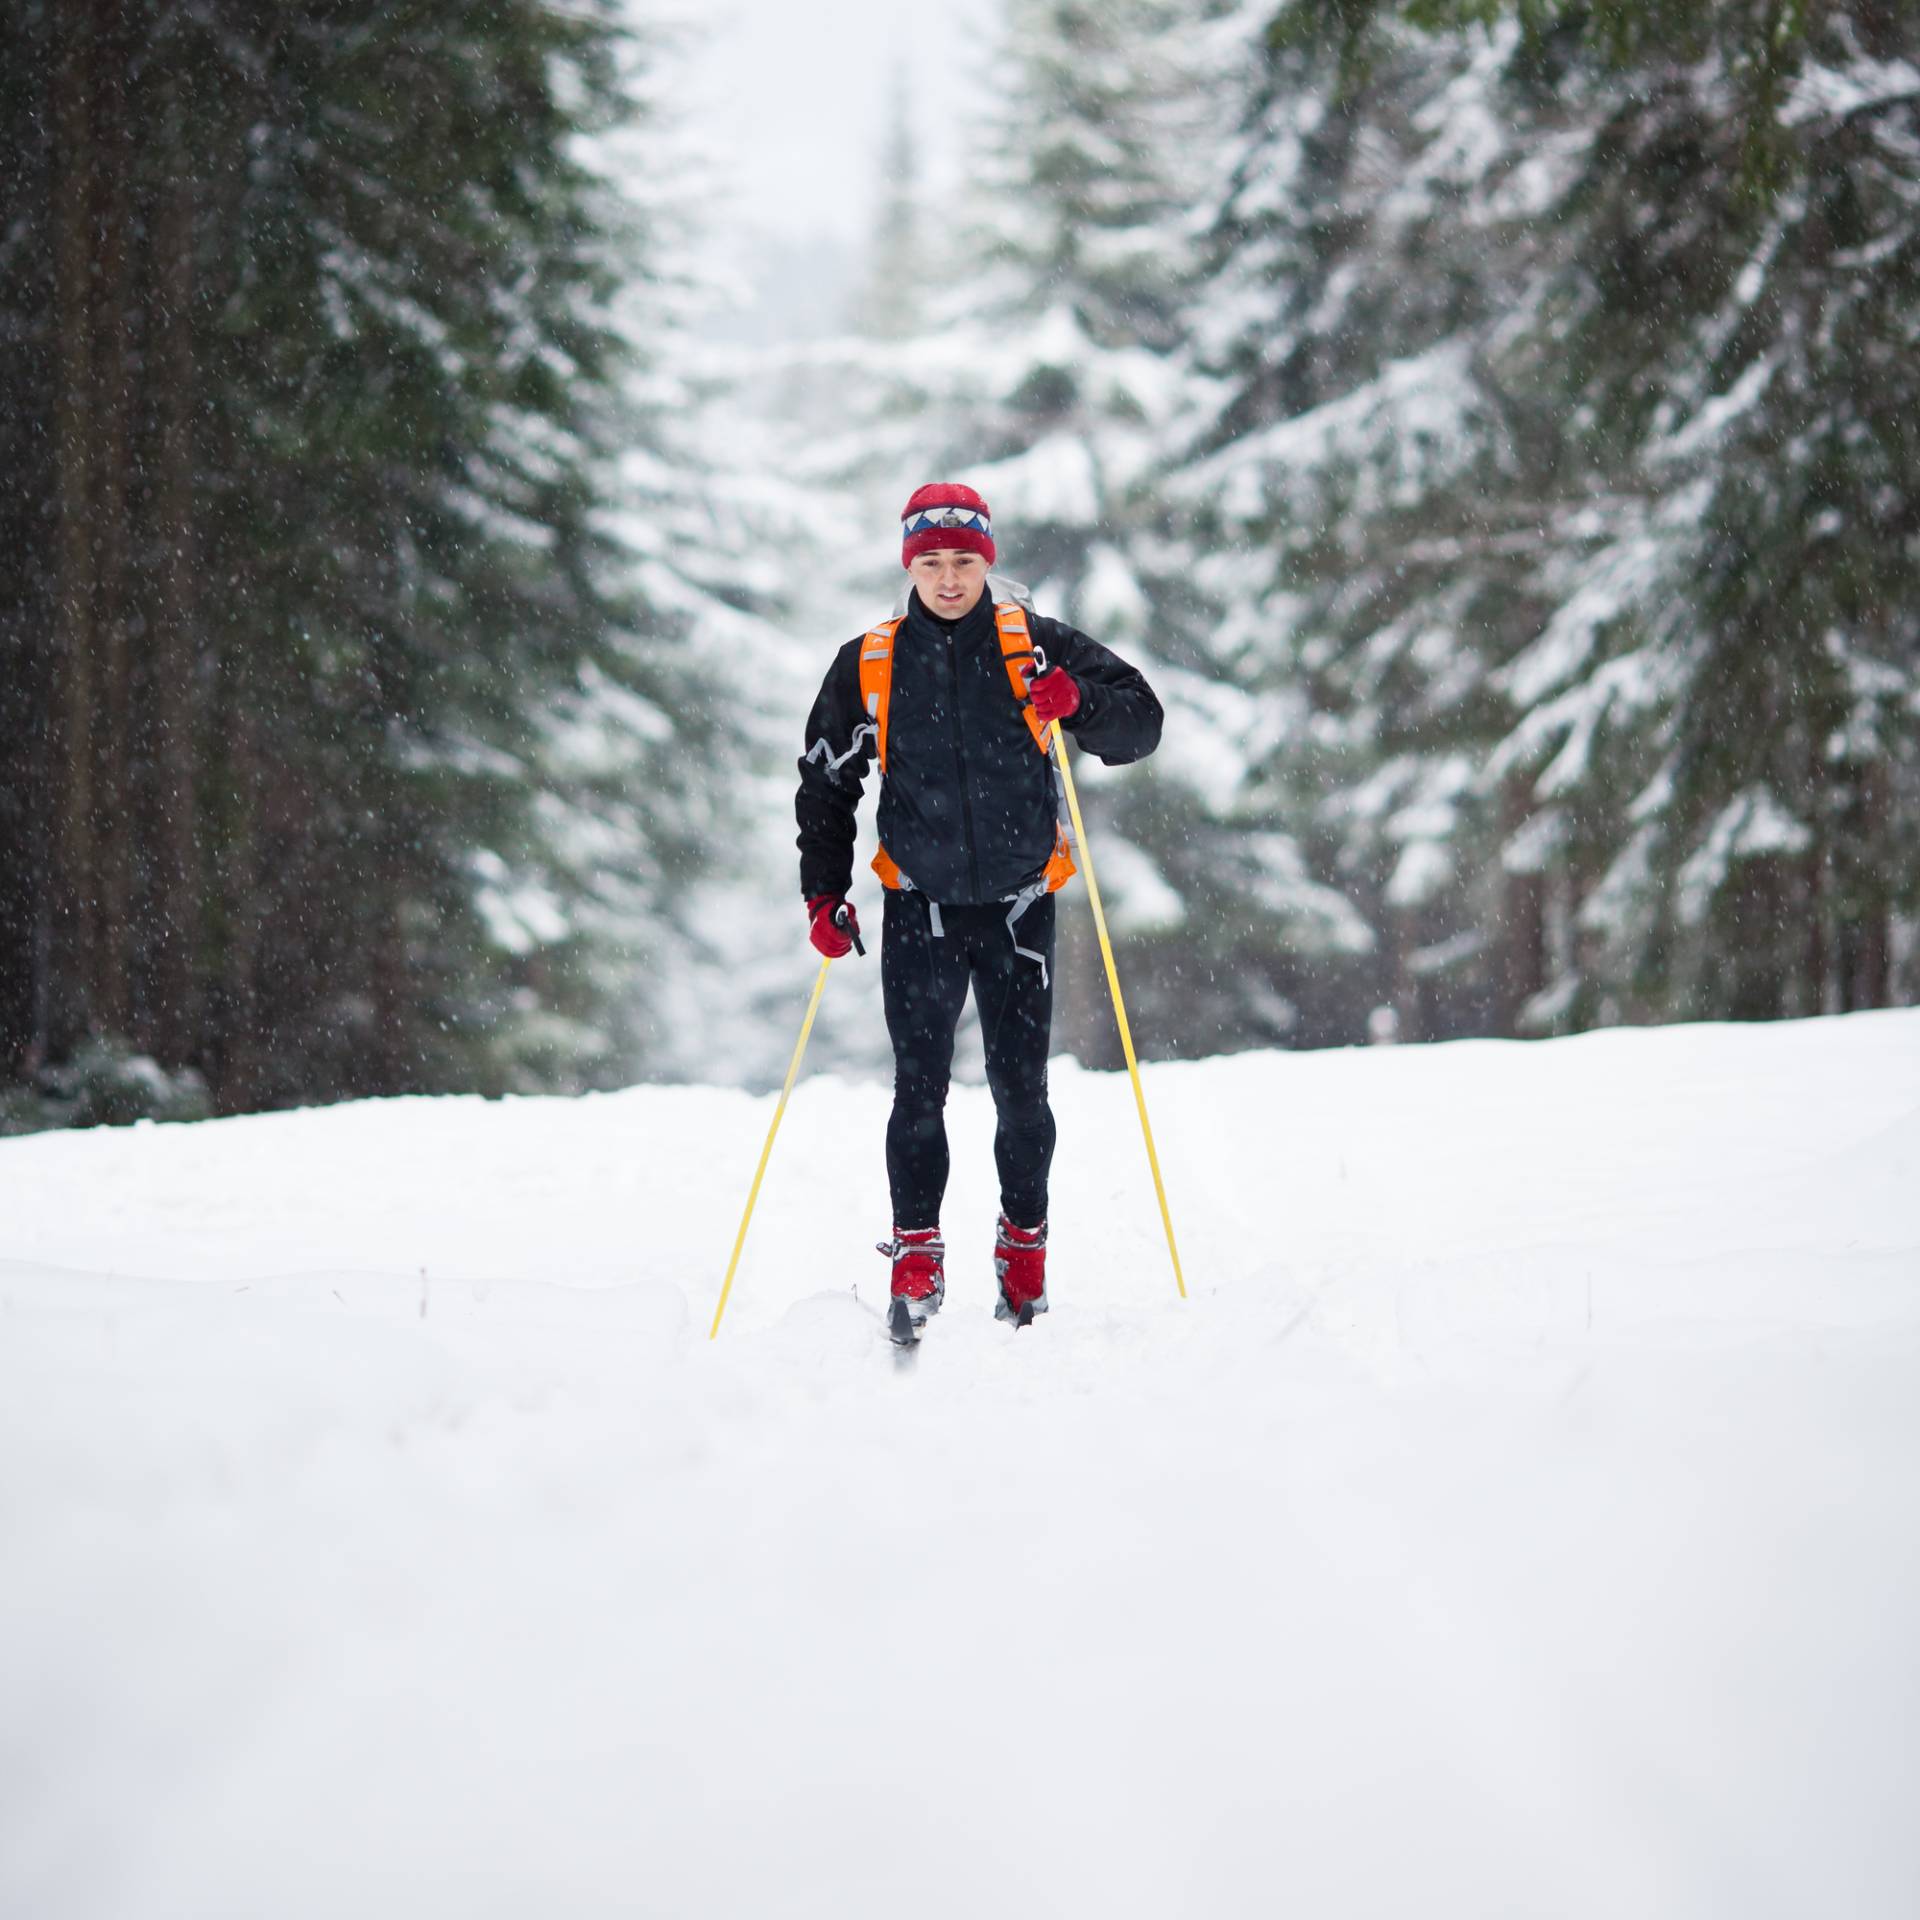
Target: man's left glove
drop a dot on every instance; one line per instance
(1055, 694)
(832, 926)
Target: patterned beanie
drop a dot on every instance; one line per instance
(946, 514)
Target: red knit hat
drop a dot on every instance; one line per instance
(946, 514)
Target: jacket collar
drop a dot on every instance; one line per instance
(978, 619)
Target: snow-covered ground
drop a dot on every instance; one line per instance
(1522, 1517)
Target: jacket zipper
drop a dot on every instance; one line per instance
(960, 753)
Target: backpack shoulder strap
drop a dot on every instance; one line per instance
(1016, 649)
(876, 681)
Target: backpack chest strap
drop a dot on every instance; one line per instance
(876, 671)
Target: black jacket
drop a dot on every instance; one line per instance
(967, 804)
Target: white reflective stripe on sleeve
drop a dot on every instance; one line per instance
(822, 748)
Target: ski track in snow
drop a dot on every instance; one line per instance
(1518, 1520)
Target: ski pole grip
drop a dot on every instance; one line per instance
(840, 917)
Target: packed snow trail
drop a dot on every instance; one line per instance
(1520, 1518)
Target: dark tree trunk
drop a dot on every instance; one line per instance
(1523, 921)
(1810, 991)
(1874, 970)
(1873, 964)
(173, 895)
(26, 485)
(386, 718)
(1758, 983)
(70, 879)
(237, 1039)
(1082, 1008)
(22, 806)
(111, 496)
(1409, 1003)
(395, 1073)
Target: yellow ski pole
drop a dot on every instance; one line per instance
(766, 1152)
(1113, 981)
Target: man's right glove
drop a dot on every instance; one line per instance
(1055, 694)
(833, 925)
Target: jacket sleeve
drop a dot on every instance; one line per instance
(1119, 715)
(840, 746)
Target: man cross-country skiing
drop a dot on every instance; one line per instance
(950, 699)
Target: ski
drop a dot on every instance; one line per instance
(902, 1328)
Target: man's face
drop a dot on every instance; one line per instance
(951, 580)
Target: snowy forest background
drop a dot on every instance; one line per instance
(1494, 427)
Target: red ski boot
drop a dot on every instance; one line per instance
(1020, 1259)
(919, 1259)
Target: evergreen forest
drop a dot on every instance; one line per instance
(1494, 425)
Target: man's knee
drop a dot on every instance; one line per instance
(919, 1088)
(1019, 1099)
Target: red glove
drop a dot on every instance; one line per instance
(832, 940)
(1055, 694)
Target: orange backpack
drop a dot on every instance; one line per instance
(876, 691)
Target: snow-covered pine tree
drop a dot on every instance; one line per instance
(871, 406)
(543, 774)
(1557, 456)
(329, 456)
(1739, 656)
(1371, 488)
(619, 895)
(892, 299)
(1061, 382)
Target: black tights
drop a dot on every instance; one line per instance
(923, 980)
